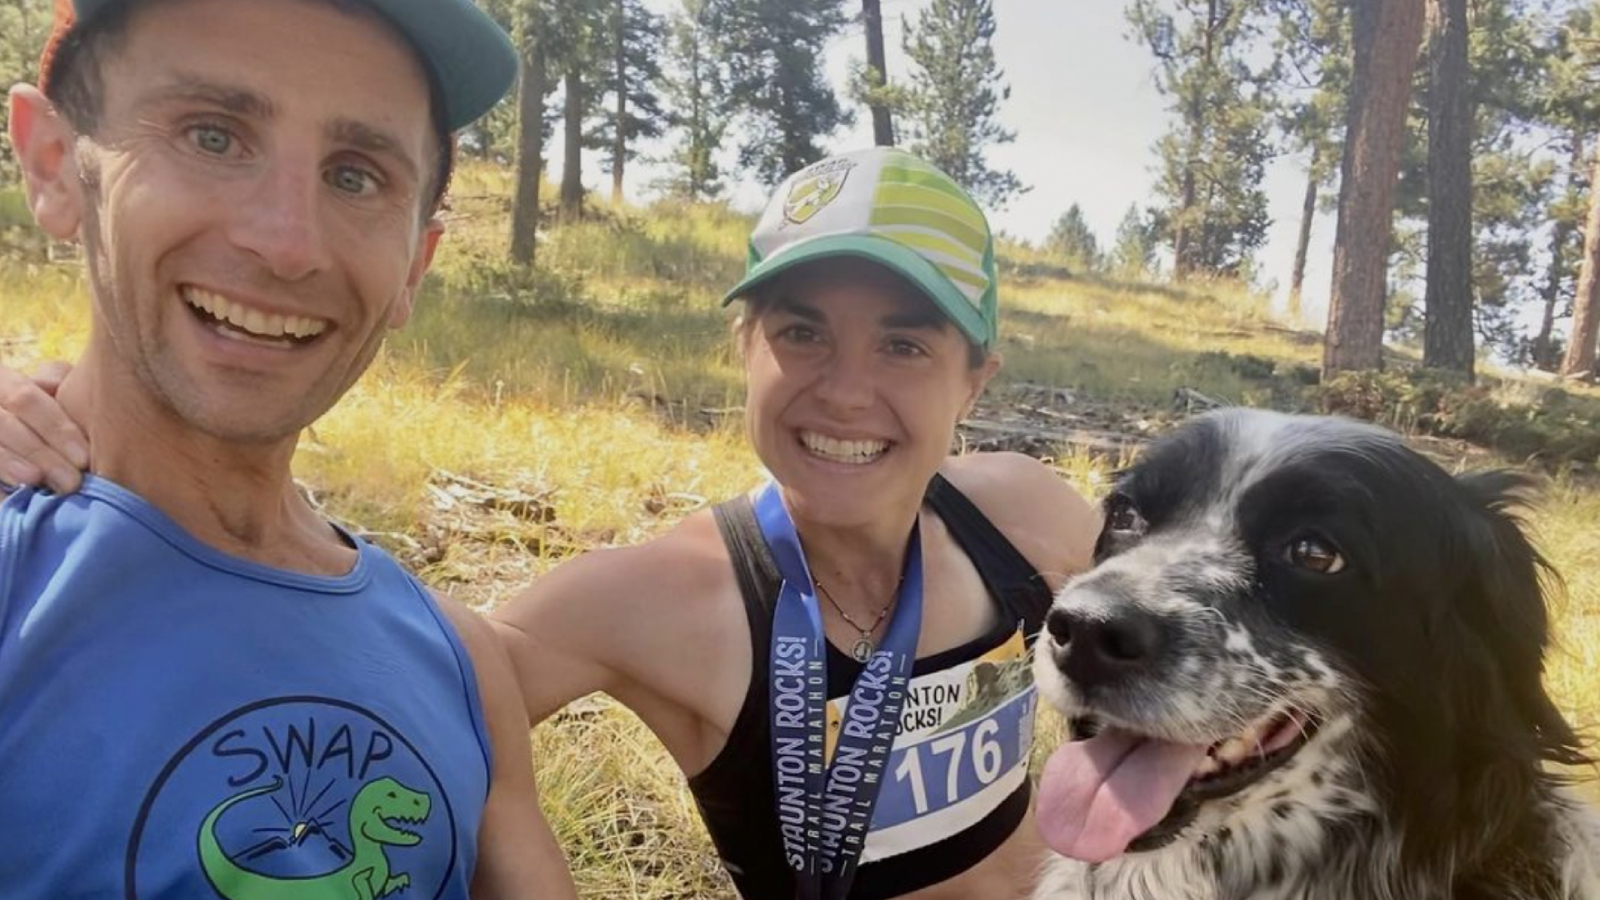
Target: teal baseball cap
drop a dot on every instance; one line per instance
(895, 209)
(469, 56)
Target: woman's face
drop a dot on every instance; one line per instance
(855, 382)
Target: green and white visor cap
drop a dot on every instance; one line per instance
(892, 208)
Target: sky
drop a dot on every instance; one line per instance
(1086, 115)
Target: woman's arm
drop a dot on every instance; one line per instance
(39, 444)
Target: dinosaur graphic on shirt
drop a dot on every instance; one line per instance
(365, 877)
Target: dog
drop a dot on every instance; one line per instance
(1307, 665)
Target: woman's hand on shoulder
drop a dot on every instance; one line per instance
(39, 444)
(1034, 506)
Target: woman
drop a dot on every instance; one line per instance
(903, 578)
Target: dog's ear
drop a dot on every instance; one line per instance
(1505, 606)
(1478, 757)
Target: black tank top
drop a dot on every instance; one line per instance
(735, 792)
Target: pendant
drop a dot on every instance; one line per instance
(862, 651)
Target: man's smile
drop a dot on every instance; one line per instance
(233, 319)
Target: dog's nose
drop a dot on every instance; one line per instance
(1102, 650)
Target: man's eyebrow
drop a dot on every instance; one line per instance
(369, 139)
(237, 100)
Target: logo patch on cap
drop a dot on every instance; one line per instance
(815, 189)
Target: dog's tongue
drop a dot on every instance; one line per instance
(1096, 796)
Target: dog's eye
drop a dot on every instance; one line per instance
(1122, 517)
(1315, 555)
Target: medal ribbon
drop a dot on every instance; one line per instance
(824, 809)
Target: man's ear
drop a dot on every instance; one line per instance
(44, 143)
(427, 245)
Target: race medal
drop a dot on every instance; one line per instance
(824, 807)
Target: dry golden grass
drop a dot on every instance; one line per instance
(588, 385)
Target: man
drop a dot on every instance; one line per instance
(206, 690)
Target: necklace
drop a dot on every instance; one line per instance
(862, 649)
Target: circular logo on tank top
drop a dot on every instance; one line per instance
(295, 798)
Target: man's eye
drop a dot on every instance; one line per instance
(352, 180)
(211, 139)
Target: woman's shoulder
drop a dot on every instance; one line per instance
(1032, 505)
(1005, 479)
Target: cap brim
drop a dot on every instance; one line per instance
(901, 260)
(471, 56)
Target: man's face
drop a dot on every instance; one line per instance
(251, 207)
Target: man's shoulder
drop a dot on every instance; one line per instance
(37, 524)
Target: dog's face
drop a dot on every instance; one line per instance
(1287, 616)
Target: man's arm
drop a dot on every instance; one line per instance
(517, 854)
(38, 443)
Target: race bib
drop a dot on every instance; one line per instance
(965, 735)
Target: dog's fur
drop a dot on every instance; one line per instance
(1421, 662)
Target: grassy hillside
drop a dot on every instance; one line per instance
(525, 417)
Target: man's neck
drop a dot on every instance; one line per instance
(237, 498)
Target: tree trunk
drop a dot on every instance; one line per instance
(1385, 36)
(619, 144)
(572, 160)
(1308, 212)
(872, 19)
(1183, 232)
(697, 113)
(1182, 238)
(1580, 358)
(791, 137)
(1447, 319)
(530, 151)
(1544, 356)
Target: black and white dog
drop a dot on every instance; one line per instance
(1310, 661)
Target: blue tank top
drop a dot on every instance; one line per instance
(179, 723)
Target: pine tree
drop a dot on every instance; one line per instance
(529, 30)
(1385, 36)
(1447, 334)
(1073, 240)
(876, 74)
(695, 91)
(1570, 106)
(1313, 44)
(955, 92)
(772, 53)
(1133, 255)
(629, 106)
(579, 51)
(1213, 161)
